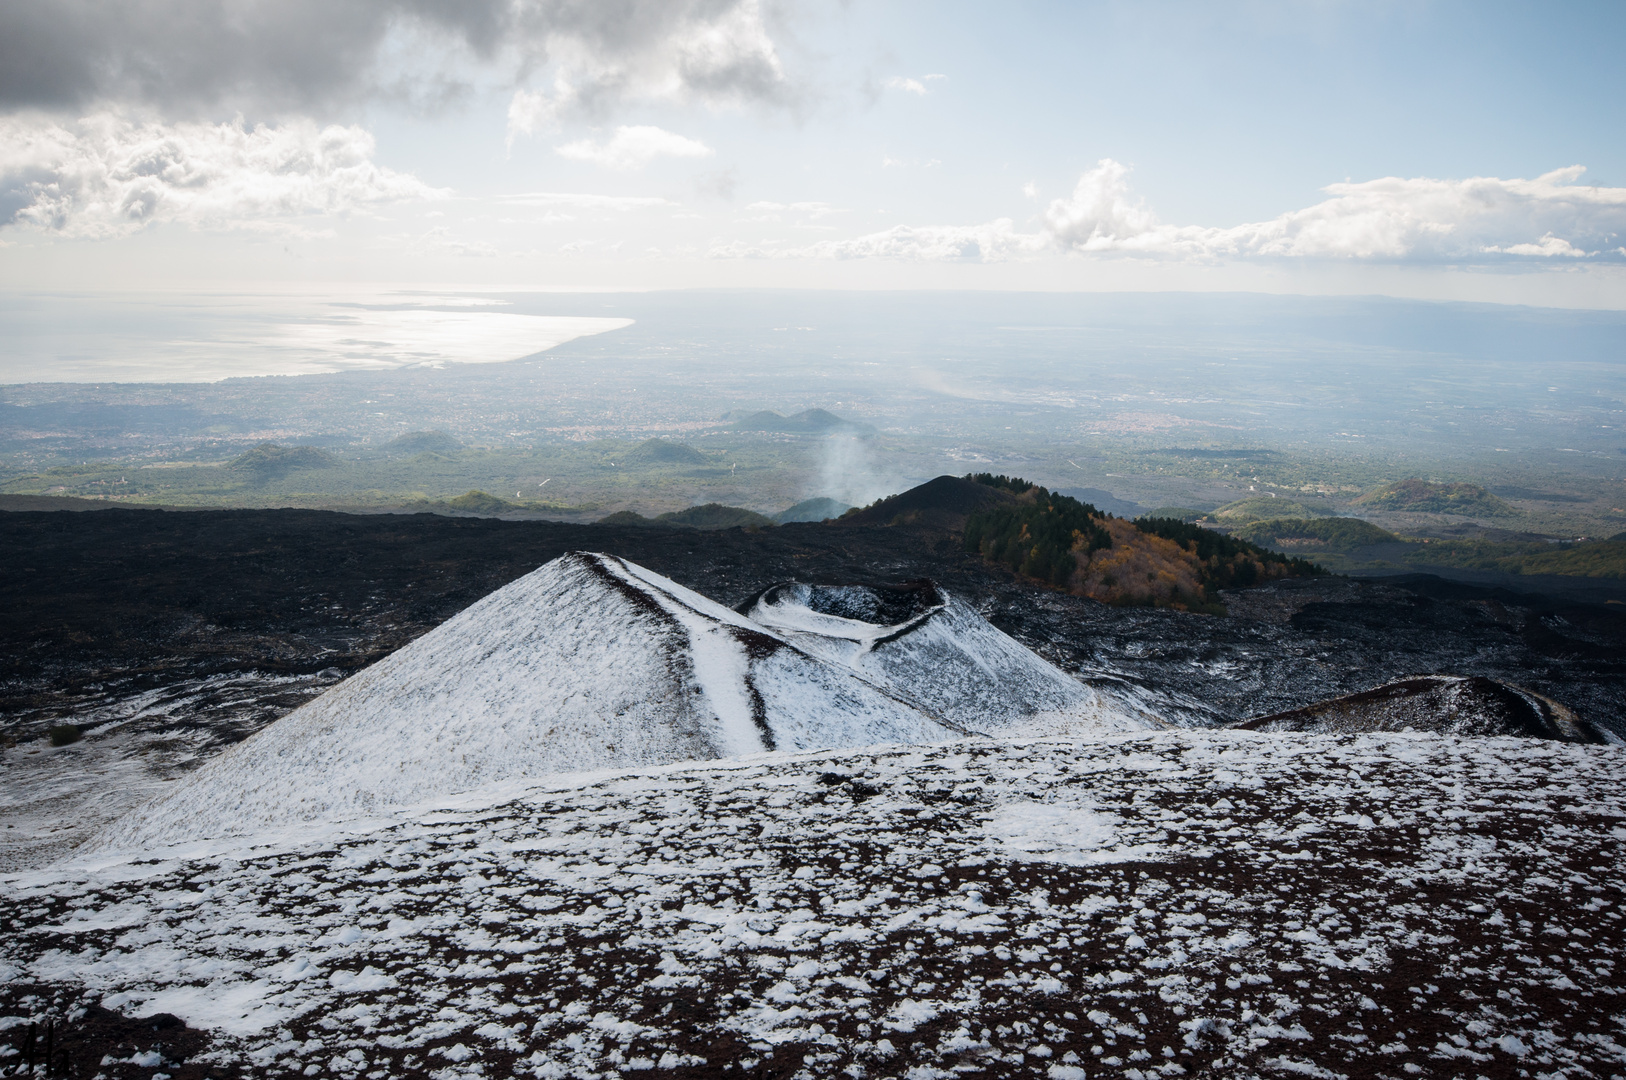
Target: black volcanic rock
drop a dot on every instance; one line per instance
(99, 609)
(943, 503)
(1470, 706)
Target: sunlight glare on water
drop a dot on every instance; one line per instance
(205, 338)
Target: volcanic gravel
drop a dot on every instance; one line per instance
(1225, 904)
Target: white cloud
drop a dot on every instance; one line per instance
(1386, 219)
(269, 56)
(586, 201)
(1476, 220)
(811, 209)
(531, 111)
(1547, 245)
(632, 148)
(441, 241)
(995, 241)
(106, 175)
(712, 51)
(918, 87)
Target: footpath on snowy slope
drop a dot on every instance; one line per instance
(589, 663)
(1222, 904)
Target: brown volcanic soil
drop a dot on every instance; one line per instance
(97, 609)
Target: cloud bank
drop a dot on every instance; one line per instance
(1391, 218)
(106, 175)
(267, 57)
(631, 148)
(1478, 220)
(103, 105)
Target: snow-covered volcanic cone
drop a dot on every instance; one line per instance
(931, 648)
(588, 663)
(1465, 706)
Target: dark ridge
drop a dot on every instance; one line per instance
(470, 502)
(1464, 706)
(709, 516)
(715, 516)
(944, 503)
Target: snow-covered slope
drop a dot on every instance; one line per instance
(589, 663)
(931, 648)
(1173, 904)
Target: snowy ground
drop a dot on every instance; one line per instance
(52, 797)
(1183, 903)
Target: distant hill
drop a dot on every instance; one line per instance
(1422, 497)
(268, 461)
(1261, 508)
(808, 422)
(1339, 534)
(812, 510)
(419, 442)
(1071, 545)
(714, 516)
(470, 502)
(665, 452)
(943, 503)
(1585, 558)
(709, 516)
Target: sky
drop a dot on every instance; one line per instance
(1470, 151)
